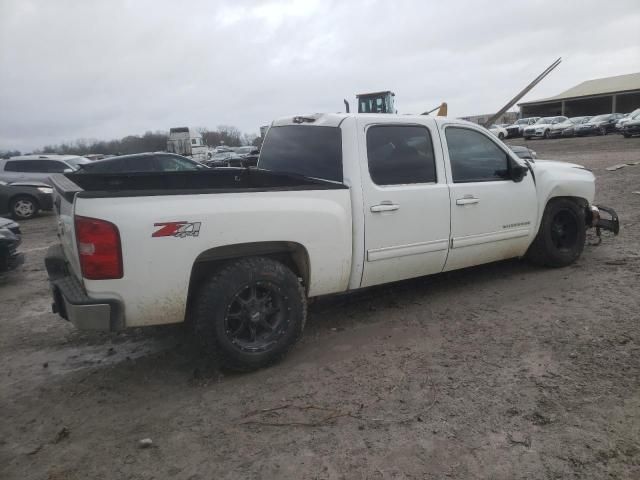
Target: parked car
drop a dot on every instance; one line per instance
(598, 125)
(225, 159)
(23, 200)
(10, 239)
(38, 168)
(558, 129)
(570, 131)
(143, 162)
(516, 129)
(524, 152)
(498, 131)
(542, 128)
(631, 128)
(631, 116)
(247, 150)
(336, 204)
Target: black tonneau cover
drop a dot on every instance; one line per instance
(224, 180)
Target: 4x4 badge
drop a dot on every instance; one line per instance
(177, 229)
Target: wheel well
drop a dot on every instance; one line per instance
(291, 254)
(581, 202)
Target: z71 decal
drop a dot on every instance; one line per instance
(177, 229)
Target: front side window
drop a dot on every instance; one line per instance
(310, 151)
(400, 154)
(474, 157)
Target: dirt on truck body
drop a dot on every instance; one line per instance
(503, 371)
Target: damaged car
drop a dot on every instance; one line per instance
(10, 239)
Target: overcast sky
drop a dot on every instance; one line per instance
(105, 69)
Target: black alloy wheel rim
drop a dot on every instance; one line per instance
(256, 317)
(564, 230)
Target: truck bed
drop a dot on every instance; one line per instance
(227, 180)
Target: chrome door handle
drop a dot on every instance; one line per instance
(385, 207)
(467, 201)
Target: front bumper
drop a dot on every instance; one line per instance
(632, 130)
(71, 301)
(45, 200)
(596, 220)
(10, 240)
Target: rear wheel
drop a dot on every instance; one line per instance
(547, 134)
(527, 138)
(626, 135)
(501, 136)
(562, 233)
(250, 313)
(603, 131)
(23, 207)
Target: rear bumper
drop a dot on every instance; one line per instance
(71, 301)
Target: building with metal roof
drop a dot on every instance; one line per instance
(619, 94)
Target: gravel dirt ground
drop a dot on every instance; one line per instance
(505, 371)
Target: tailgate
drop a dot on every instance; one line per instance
(64, 192)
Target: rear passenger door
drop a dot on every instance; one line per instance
(406, 201)
(492, 217)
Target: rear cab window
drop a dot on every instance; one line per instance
(310, 151)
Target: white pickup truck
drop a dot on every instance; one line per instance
(338, 202)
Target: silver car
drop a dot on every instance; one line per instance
(38, 168)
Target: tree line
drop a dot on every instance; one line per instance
(149, 142)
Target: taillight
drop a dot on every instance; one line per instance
(99, 248)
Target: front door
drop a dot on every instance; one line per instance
(492, 217)
(406, 201)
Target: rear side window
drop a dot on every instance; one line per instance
(400, 154)
(14, 166)
(305, 150)
(474, 157)
(169, 163)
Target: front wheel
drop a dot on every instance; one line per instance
(527, 138)
(626, 135)
(501, 136)
(562, 233)
(250, 313)
(23, 207)
(603, 131)
(547, 134)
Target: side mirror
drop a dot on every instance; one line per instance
(518, 172)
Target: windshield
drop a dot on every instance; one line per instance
(600, 118)
(245, 149)
(635, 114)
(545, 120)
(311, 151)
(77, 161)
(522, 121)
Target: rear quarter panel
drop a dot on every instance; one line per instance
(157, 269)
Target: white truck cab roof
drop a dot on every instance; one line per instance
(335, 119)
